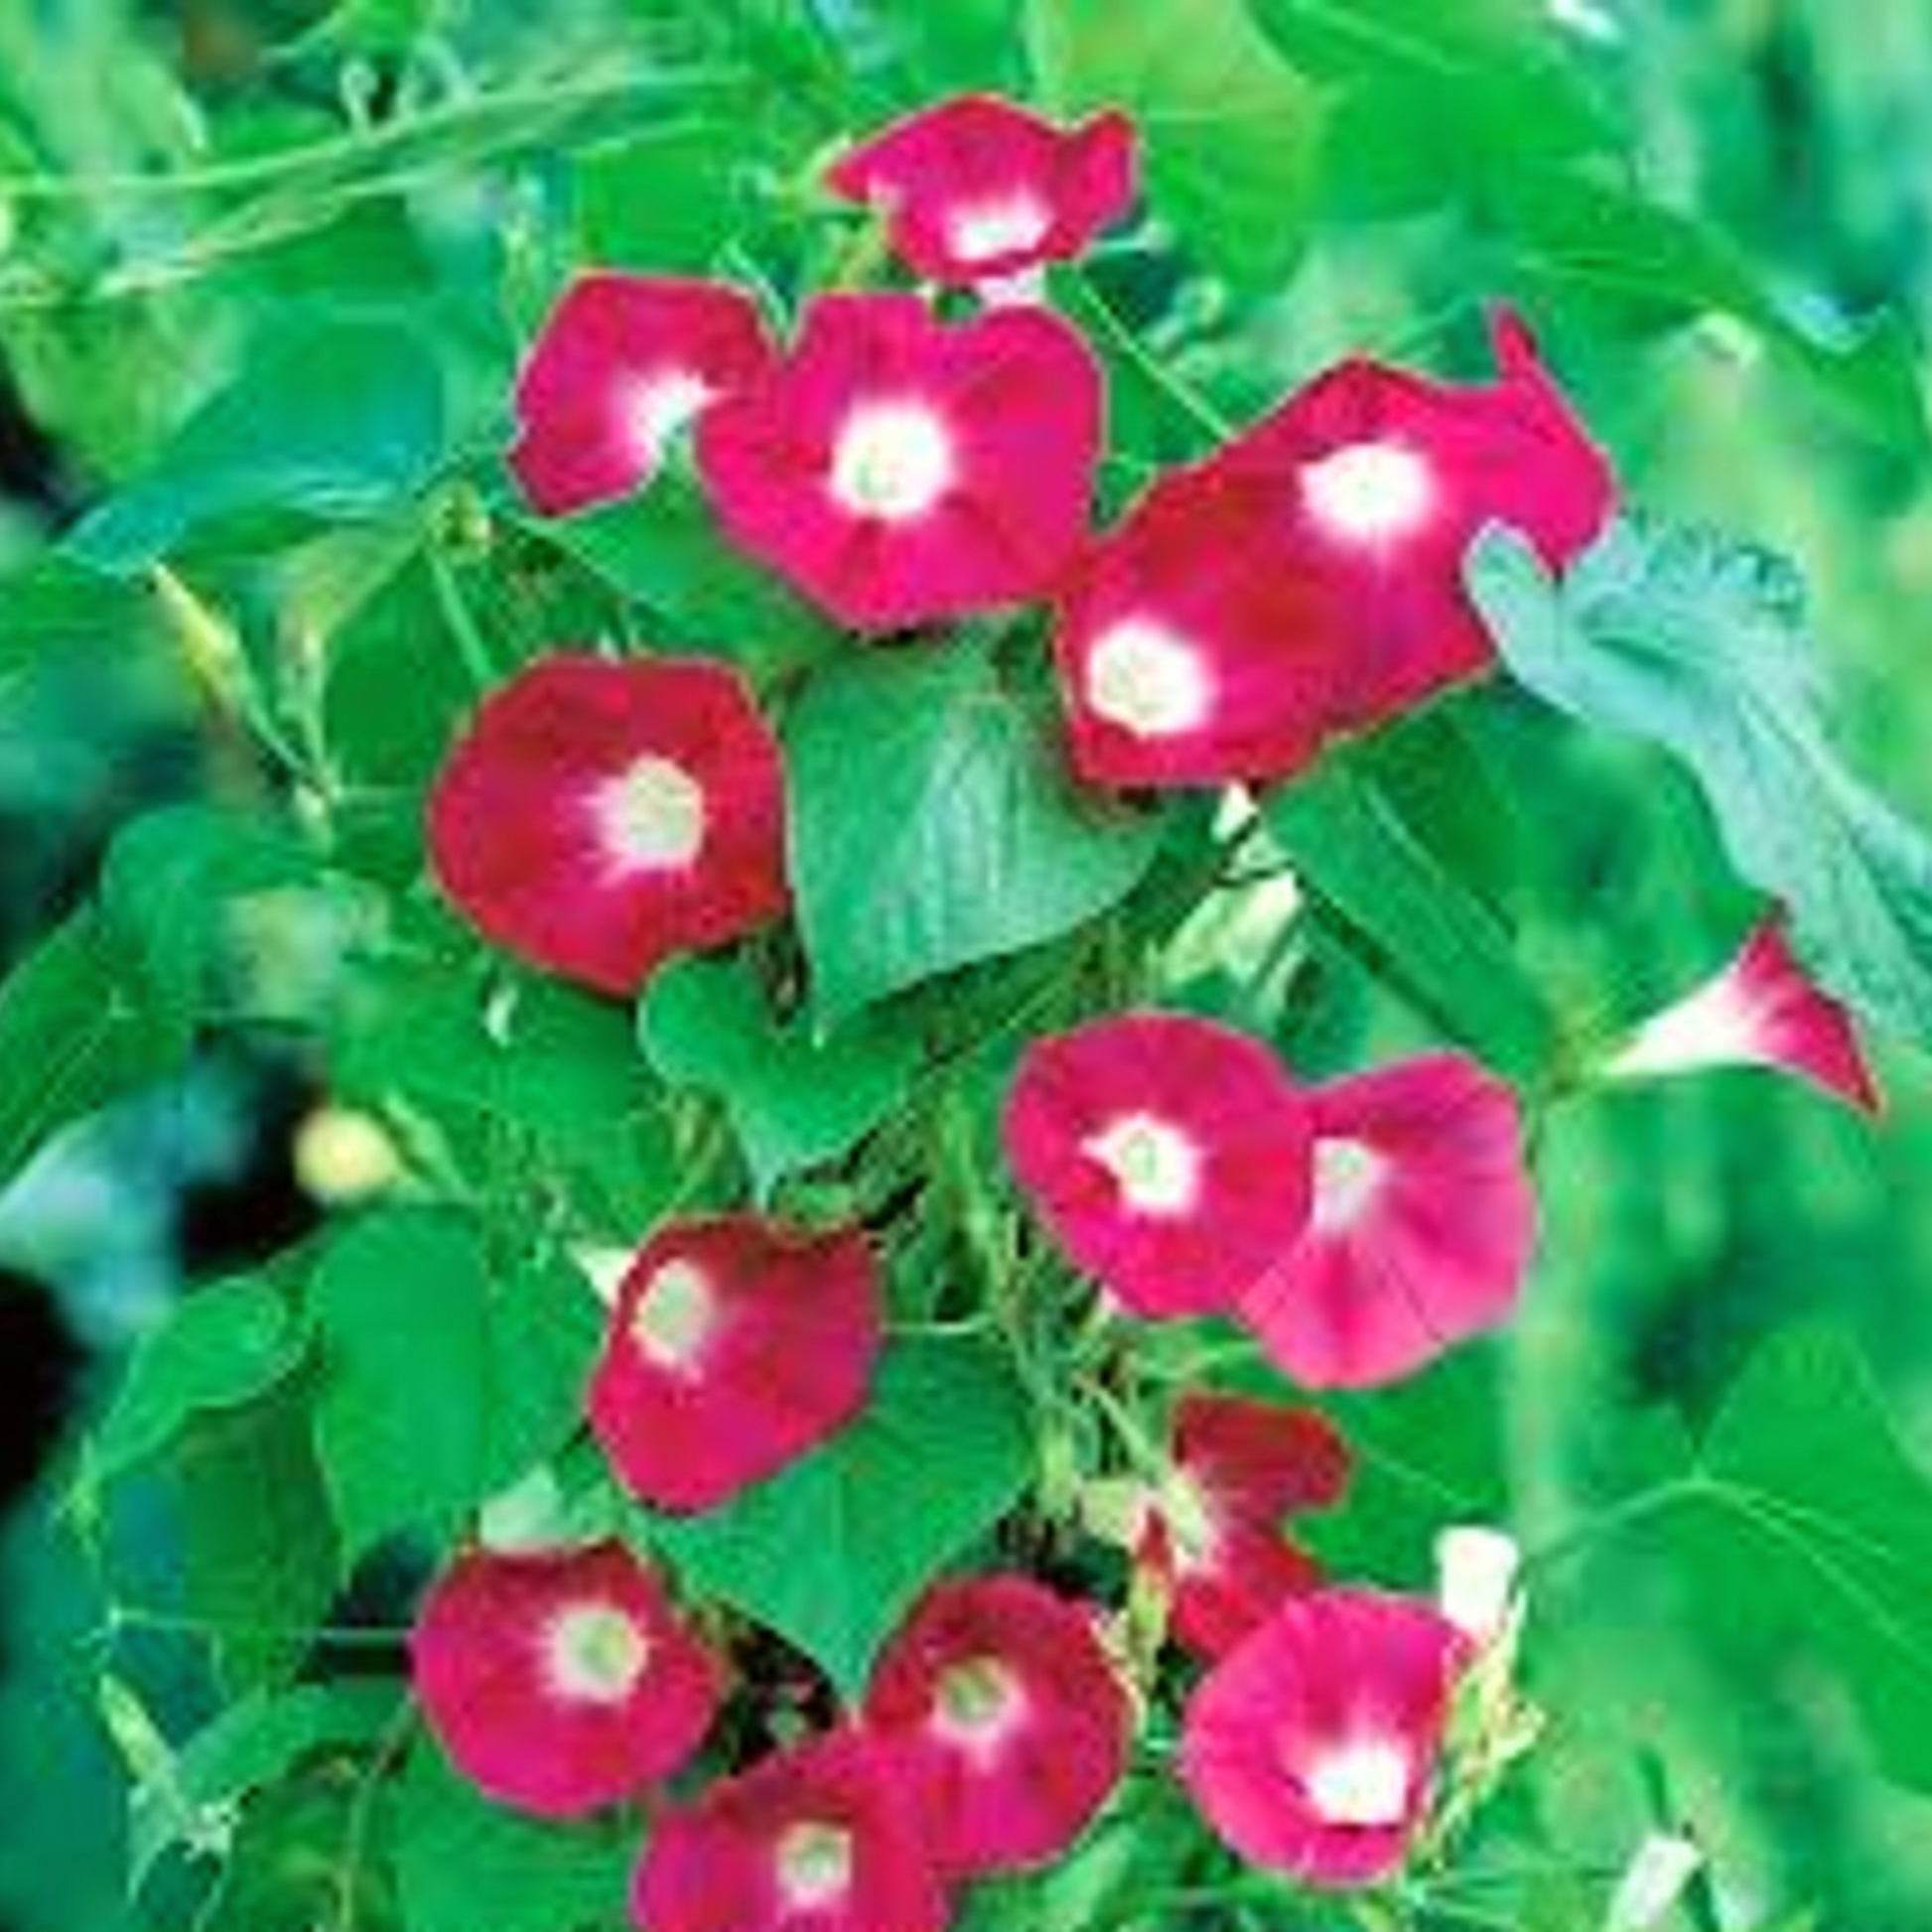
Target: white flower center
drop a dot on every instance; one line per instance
(676, 1317)
(1348, 1177)
(1148, 680)
(977, 1703)
(1001, 224)
(814, 1864)
(596, 1654)
(650, 817)
(1369, 494)
(893, 460)
(1362, 1784)
(658, 405)
(1155, 1166)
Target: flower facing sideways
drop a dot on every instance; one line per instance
(898, 468)
(1762, 1010)
(737, 1346)
(1005, 1716)
(1383, 478)
(977, 188)
(1169, 1156)
(819, 1839)
(1212, 1532)
(1313, 1747)
(559, 1682)
(598, 817)
(622, 364)
(1422, 1227)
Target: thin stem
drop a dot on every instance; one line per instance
(1181, 393)
(135, 1617)
(454, 606)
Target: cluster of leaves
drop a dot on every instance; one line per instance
(319, 543)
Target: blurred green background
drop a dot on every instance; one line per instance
(473, 150)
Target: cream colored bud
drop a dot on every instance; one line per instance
(342, 1156)
(1653, 1882)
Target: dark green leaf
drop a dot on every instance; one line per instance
(262, 1558)
(1696, 643)
(1444, 946)
(441, 1383)
(1232, 132)
(463, 1863)
(664, 550)
(225, 1344)
(934, 825)
(339, 422)
(794, 1100)
(833, 1552)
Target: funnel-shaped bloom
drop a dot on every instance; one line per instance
(596, 818)
(1383, 477)
(819, 1839)
(1213, 1532)
(1187, 655)
(976, 188)
(622, 366)
(1313, 1747)
(737, 1346)
(1423, 1226)
(1007, 1719)
(1762, 1010)
(1169, 1156)
(898, 468)
(560, 1682)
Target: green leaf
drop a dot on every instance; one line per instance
(439, 1384)
(934, 825)
(1572, 237)
(1445, 948)
(76, 1010)
(794, 1101)
(463, 1863)
(1696, 643)
(169, 884)
(664, 200)
(309, 1853)
(252, 1743)
(223, 1346)
(262, 1560)
(1804, 1517)
(664, 550)
(1232, 133)
(833, 1552)
(399, 1308)
(339, 421)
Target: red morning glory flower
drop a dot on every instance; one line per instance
(1762, 1010)
(597, 817)
(1311, 1748)
(1423, 1226)
(898, 468)
(975, 188)
(737, 1346)
(1007, 1717)
(622, 366)
(562, 1681)
(819, 1839)
(1169, 1156)
(1213, 1532)
(1383, 477)
(1187, 655)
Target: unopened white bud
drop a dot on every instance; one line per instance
(1653, 1882)
(1476, 1569)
